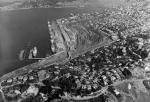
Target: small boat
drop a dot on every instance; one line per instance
(30, 54)
(22, 55)
(25, 54)
(34, 51)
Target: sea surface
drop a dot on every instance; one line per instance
(27, 28)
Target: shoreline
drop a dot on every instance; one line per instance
(18, 9)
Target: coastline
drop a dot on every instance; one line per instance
(16, 9)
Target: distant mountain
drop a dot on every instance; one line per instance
(26, 4)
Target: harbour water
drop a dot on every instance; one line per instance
(27, 28)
